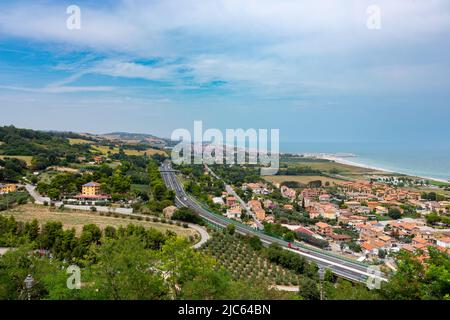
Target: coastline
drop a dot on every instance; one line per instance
(332, 157)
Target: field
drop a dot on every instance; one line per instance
(326, 165)
(80, 141)
(245, 263)
(77, 219)
(301, 179)
(129, 152)
(27, 159)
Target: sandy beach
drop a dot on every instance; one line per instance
(345, 161)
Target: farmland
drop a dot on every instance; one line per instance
(243, 262)
(80, 141)
(129, 152)
(27, 159)
(77, 219)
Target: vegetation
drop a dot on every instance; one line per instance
(127, 263)
(10, 199)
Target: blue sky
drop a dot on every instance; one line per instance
(309, 68)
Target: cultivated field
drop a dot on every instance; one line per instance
(77, 219)
(80, 141)
(301, 179)
(129, 152)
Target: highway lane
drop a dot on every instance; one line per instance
(341, 267)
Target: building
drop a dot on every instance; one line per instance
(324, 228)
(443, 242)
(7, 188)
(218, 200)
(231, 201)
(91, 189)
(234, 212)
(324, 198)
(288, 193)
(98, 159)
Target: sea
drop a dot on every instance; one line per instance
(427, 160)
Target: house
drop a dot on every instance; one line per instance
(90, 189)
(305, 231)
(98, 159)
(289, 207)
(257, 209)
(370, 232)
(340, 237)
(218, 200)
(260, 214)
(443, 242)
(324, 228)
(368, 249)
(231, 201)
(234, 212)
(326, 210)
(7, 188)
(324, 198)
(258, 188)
(381, 210)
(288, 193)
(419, 240)
(169, 211)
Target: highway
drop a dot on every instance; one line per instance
(340, 266)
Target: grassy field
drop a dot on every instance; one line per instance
(77, 219)
(129, 152)
(326, 165)
(300, 179)
(140, 187)
(80, 141)
(27, 159)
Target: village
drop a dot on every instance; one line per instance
(364, 220)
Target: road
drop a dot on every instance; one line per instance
(231, 191)
(38, 199)
(340, 266)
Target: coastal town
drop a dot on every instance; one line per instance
(364, 220)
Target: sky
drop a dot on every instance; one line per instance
(312, 69)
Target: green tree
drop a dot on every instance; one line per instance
(309, 289)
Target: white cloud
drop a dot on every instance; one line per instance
(269, 46)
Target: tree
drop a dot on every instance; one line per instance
(309, 289)
(255, 243)
(417, 280)
(394, 213)
(126, 270)
(187, 215)
(230, 229)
